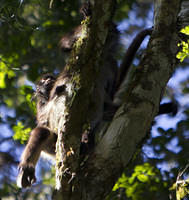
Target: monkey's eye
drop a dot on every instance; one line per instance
(48, 81)
(60, 89)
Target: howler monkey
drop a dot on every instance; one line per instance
(42, 138)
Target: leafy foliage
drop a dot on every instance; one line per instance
(29, 35)
(184, 53)
(144, 182)
(182, 191)
(21, 133)
(5, 71)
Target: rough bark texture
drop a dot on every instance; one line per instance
(94, 178)
(69, 114)
(183, 18)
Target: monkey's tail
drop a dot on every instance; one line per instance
(130, 54)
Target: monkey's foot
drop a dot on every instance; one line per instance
(26, 176)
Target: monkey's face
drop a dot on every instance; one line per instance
(44, 86)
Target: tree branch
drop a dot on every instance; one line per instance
(94, 178)
(141, 101)
(70, 114)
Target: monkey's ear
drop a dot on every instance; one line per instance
(26, 176)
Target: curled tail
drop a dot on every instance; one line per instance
(130, 54)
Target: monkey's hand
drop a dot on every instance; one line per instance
(26, 176)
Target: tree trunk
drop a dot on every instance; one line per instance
(94, 177)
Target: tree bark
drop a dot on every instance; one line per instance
(183, 17)
(95, 177)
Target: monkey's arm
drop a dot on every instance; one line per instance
(38, 141)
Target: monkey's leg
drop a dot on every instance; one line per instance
(38, 138)
(168, 108)
(165, 108)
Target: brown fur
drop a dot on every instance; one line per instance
(38, 141)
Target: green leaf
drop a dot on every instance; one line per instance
(184, 52)
(5, 71)
(143, 178)
(185, 30)
(21, 133)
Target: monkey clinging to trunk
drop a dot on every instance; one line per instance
(49, 88)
